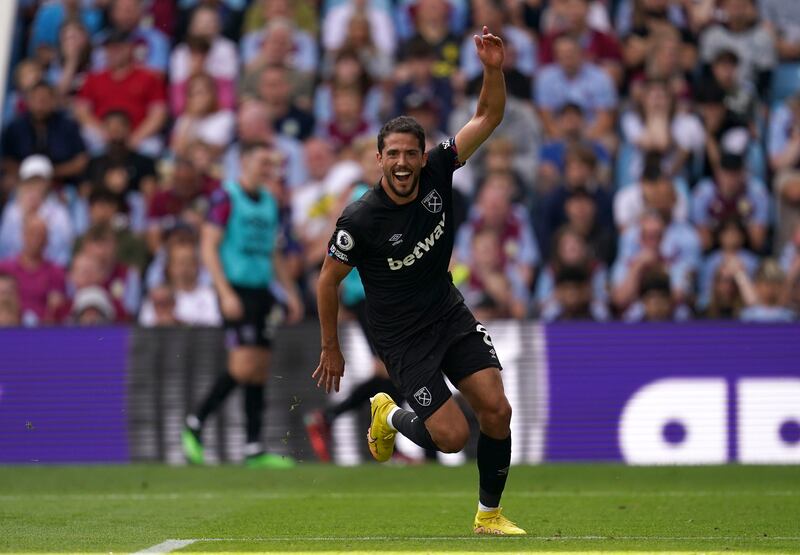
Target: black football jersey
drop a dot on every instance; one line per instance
(402, 252)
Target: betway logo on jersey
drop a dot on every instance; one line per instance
(420, 249)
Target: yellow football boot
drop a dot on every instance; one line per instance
(492, 522)
(380, 436)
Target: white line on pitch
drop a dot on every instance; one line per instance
(391, 494)
(479, 538)
(166, 546)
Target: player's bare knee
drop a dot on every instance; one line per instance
(495, 420)
(451, 441)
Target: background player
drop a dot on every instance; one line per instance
(239, 246)
(400, 237)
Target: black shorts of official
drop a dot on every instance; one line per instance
(262, 316)
(359, 309)
(456, 346)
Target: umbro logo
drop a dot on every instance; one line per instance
(396, 239)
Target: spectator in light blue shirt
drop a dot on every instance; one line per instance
(51, 15)
(573, 80)
(766, 295)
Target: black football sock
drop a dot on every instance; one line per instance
(254, 412)
(494, 458)
(222, 387)
(360, 395)
(413, 427)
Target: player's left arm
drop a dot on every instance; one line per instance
(492, 100)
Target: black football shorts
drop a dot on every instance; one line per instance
(262, 316)
(456, 346)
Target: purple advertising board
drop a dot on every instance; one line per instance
(62, 395)
(697, 393)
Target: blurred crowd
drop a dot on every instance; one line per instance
(648, 166)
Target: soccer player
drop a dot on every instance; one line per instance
(239, 246)
(400, 237)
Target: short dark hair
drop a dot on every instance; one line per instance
(575, 274)
(402, 124)
(249, 147)
(655, 281)
(102, 194)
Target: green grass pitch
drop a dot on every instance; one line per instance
(390, 509)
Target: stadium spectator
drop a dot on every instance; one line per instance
(203, 119)
(495, 211)
(431, 24)
(192, 303)
(656, 303)
(86, 272)
(598, 47)
(252, 125)
(740, 99)
(784, 155)
(732, 194)
(416, 76)
(33, 196)
(44, 129)
(122, 282)
(73, 60)
(125, 86)
(93, 307)
(651, 192)
(40, 283)
(359, 39)
(151, 47)
(668, 62)
(141, 169)
(491, 289)
(205, 50)
(741, 31)
(731, 244)
(765, 296)
(304, 13)
(28, 73)
(655, 244)
(492, 14)
(573, 80)
(725, 301)
(336, 22)
(581, 211)
(571, 250)
(10, 313)
(573, 298)
(348, 121)
(569, 129)
(281, 42)
(782, 20)
(51, 17)
(790, 254)
(274, 90)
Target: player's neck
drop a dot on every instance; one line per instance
(394, 197)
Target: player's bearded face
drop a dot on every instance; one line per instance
(402, 161)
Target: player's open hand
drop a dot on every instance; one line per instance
(330, 369)
(490, 49)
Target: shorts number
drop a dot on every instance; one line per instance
(486, 339)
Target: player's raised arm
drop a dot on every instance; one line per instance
(331, 362)
(492, 100)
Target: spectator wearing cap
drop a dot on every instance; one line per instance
(782, 20)
(741, 32)
(573, 298)
(570, 127)
(193, 303)
(730, 245)
(571, 79)
(93, 307)
(648, 193)
(10, 313)
(39, 281)
(33, 196)
(492, 13)
(598, 47)
(44, 129)
(141, 169)
(431, 25)
(783, 145)
(203, 119)
(150, 46)
(764, 297)
(656, 303)
(732, 194)
(127, 86)
(570, 249)
(205, 50)
(416, 77)
(495, 210)
(655, 244)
